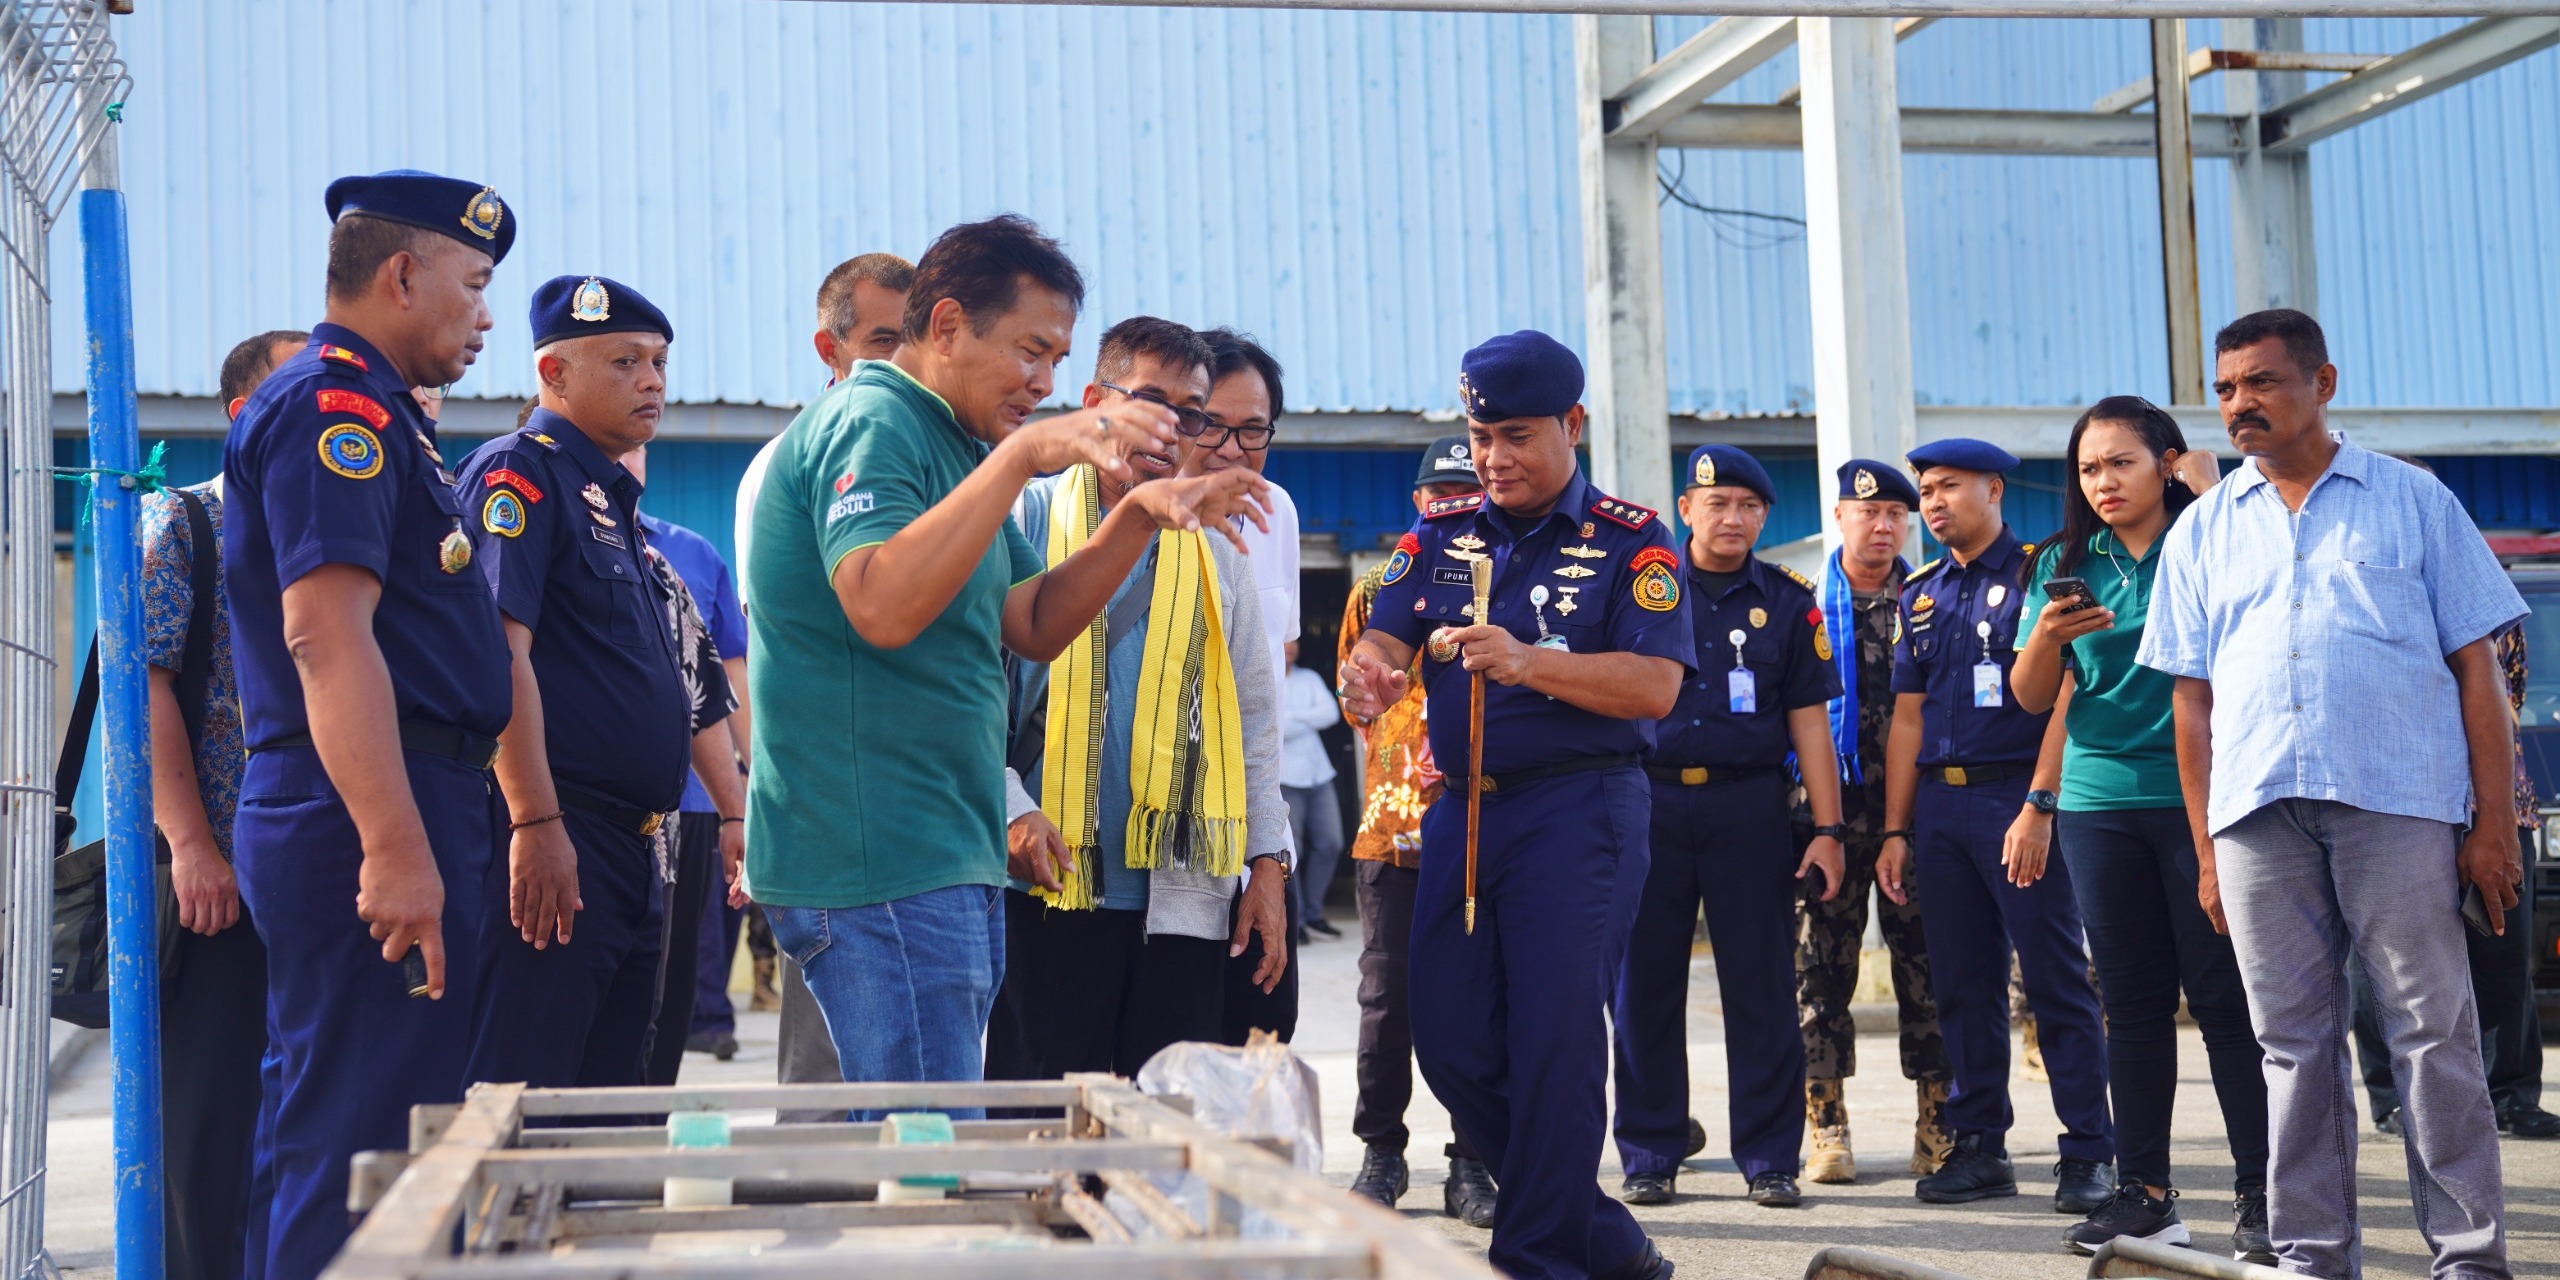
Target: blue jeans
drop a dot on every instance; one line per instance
(906, 986)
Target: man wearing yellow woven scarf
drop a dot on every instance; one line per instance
(1152, 745)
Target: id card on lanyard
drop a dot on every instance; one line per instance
(1741, 691)
(1986, 673)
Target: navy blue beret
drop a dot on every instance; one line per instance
(583, 306)
(1519, 375)
(1963, 455)
(1711, 465)
(1450, 460)
(466, 211)
(1865, 478)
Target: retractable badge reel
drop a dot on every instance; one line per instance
(1986, 673)
(1741, 691)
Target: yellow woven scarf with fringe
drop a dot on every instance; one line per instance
(1186, 754)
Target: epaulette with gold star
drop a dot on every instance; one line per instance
(541, 439)
(1439, 508)
(1625, 513)
(1799, 579)
(341, 357)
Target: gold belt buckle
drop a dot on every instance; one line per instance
(656, 820)
(1955, 776)
(1486, 785)
(1693, 777)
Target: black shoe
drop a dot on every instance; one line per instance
(1649, 1188)
(2249, 1239)
(1775, 1190)
(2082, 1186)
(2131, 1212)
(1383, 1177)
(1469, 1194)
(1969, 1174)
(1320, 925)
(719, 1044)
(2526, 1120)
(1648, 1264)
(1697, 1138)
(2388, 1122)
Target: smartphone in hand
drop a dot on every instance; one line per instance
(2475, 912)
(2076, 590)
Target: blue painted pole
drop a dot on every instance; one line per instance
(133, 898)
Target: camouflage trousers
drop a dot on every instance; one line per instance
(1829, 936)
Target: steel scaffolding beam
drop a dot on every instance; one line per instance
(1629, 383)
(2470, 50)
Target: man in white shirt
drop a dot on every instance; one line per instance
(861, 306)
(1307, 709)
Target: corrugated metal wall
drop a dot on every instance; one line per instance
(1372, 193)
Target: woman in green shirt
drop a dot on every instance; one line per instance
(2123, 822)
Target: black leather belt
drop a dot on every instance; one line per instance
(1493, 782)
(425, 737)
(630, 818)
(1957, 775)
(1701, 775)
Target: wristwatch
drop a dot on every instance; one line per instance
(2044, 801)
(1836, 830)
(1277, 859)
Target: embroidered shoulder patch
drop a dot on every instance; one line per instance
(1821, 634)
(504, 476)
(1625, 513)
(351, 451)
(503, 513)
(340, 355)
(1439, 507)
(1402, 561)
(1656, 584)
(341, 400)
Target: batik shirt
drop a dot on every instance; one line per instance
(1402, 781)
(168, 600)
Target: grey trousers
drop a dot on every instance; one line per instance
(2308, 886)
(805, 1054)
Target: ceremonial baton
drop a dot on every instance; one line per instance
(1483, 579)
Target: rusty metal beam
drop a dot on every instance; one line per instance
(2472, 49)
(2201, 62)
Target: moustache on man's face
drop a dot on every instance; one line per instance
(2250, 419)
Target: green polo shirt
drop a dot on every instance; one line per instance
(2120, 749)
(879, 773)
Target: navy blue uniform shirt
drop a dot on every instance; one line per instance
(1611, 584)
(331, 462)
(1945, 607)
(557, 526)
(1785, 649)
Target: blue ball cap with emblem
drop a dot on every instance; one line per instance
(1450, 460)
(1866, 479)
(1711, 465)
(583, 306)
(467, 211)
(1519, 375)
(1963, 455)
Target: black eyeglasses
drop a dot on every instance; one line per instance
(1189, 422)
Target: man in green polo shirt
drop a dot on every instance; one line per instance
(887, 573)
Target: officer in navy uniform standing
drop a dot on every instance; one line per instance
(373, 688)
(602, 735)
(1585, 649)
(1722, 835)
(1965, 812)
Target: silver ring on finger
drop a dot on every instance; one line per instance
(1102, 425)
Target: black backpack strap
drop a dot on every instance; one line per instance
(195, 673)
(75, 737)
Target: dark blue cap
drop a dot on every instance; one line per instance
(1963, 455)
(1450, 460)
(584, 306)
(1519, 375)
(1711, 465)
(1865, 479)
(466, 211)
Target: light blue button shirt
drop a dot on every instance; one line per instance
(2325, 633)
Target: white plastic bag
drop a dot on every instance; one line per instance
(1259, 1091)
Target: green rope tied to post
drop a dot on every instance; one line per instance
(115, 113)
(151, 477)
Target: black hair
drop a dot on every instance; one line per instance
(251, 362)
(835, 293)
(1232, 352)
(524, 412)
(358, 246)
(1175, 345)
(2302, 337)
(981, 266)
(2159, 433)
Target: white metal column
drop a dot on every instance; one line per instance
(1629, 393)
(2271, 245)
(1862, 392)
